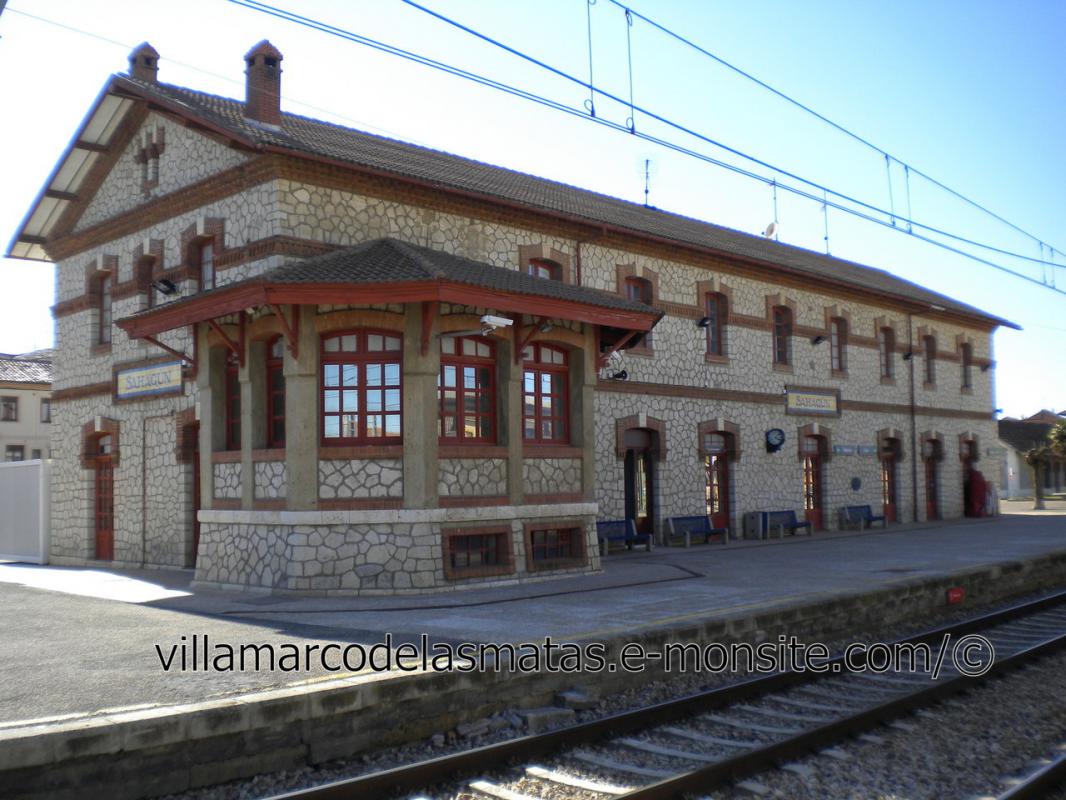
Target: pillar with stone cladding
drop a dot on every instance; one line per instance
(420, 406)
(301, 415)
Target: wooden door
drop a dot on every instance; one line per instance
(717, 492)
(932, 490)
(888, 488)
(104, 497)
(639, 495)
(813, 490)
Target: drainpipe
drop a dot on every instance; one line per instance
(914, 422)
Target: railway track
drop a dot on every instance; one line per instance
(693, 744)
(1040, 782)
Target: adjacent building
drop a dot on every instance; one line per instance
(25, 405)
(299, 357)
(1016, 438)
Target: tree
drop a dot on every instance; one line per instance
(1057, 437)
(1036, 458)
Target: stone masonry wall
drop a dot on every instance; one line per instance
(357, 478)
(228, 480)
(542, 476)
(470, 477)
(270, 480)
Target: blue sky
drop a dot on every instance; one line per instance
(969, 92)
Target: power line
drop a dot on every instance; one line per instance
(684, 129)
(333, 30)
(228, 79)
(847, 132)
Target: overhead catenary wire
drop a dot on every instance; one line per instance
(581, 113)
(255, 4)
(630, 12)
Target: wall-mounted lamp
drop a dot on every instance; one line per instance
(986, 367)
(704, 322)
(908, 356)
(545, 327)
(817, 339)
(621, 375)
(164, 286)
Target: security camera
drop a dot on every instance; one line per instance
(492, 323)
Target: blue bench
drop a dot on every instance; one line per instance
(620, 530)
(864, 515)
(782, 521)
(698, 525)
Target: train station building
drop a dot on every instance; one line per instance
(302, 358)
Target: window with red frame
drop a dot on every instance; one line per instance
(207, 265)
(929, 345)
(362, 385)
(716, 308)
(782, 316)
(544, 394)
(103, 333)
(477, 550)
(886, 340)
(555, 544)
(233, 402)
(967, 365)
(543, 268)
(838, 344)
(466, 388)
(275, 389)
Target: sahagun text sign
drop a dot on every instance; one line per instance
(823, 403)
(155, 379)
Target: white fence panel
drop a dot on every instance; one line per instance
(24, 521)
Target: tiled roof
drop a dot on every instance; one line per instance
(19, 369)
(393, 261)
(1023, 435)
(323, 139)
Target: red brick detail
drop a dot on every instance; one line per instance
(225, 504)
(969, 446)
(471, 451)
(824, 434)
(79, 392)
(551, 451)
(354, 504)
(226, 457)
(937, 439)
(272, 454)
(214, 230)
(730, 430)
(91, 432)
(269, 504)
(553, 499)
(890, 441)
(656, 426)
(364, 451)
(263, 86)
(506, 551)
(528, 252)
(472, 502)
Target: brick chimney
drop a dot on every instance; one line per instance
(263, 87)
(144, 63)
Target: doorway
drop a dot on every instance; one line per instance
(639, 479)
(717, 463)
(890, 450)
(104, 499)
(814, 480)
(932, 452)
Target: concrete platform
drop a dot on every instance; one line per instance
(88, 711)
(82, 642)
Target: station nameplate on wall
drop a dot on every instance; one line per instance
(815, 402)
(148, 381)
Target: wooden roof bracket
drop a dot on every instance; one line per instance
(171, 350)
(521, 345)
(606, 357)
(237, 348)
(291, 331)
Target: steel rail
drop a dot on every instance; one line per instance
(1038, 784)
(449, 767)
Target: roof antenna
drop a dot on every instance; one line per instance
(646, 164)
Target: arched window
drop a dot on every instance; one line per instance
(545, 386)
(466, 388)
(716, 307)
(544, 268)
(274, 370)
(838, 344)
(886, 343)
(103, 329)
(639, 289)
(362, 385)
(206, 257)
(967, 365)
(233, 402)
(929, 347)
(782, 333)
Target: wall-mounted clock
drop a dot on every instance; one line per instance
(775, 437)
